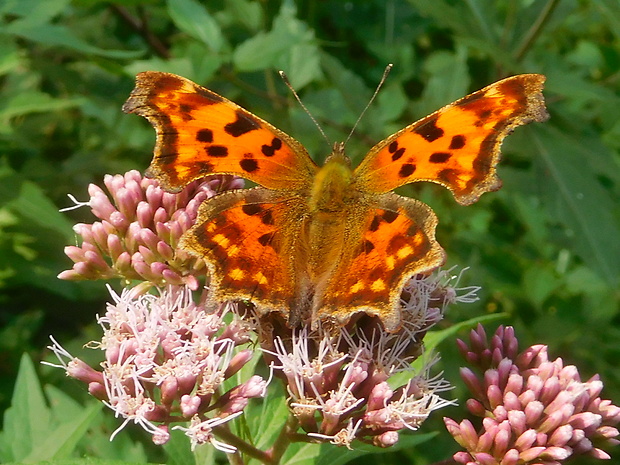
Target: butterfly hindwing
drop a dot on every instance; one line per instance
(396, 240)
(246, 239)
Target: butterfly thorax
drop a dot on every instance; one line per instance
(331, 188)
(332, 197)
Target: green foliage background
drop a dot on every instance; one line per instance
(546, 248)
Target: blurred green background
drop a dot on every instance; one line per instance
(545, 249)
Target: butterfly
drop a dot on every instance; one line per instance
(324, 242)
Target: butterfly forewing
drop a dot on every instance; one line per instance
(459, 145)
(200, 132)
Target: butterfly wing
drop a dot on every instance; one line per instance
(200, 133)
(458, 146)
(387, 244)
(248, 239)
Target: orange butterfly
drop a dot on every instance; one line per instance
(323, 242)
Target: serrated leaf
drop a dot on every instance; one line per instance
(284, 46)
(194, 19)
(448, 80)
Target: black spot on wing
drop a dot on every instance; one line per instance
(267, 218)
(204, 135)
(266, 239)
(374, 224)
(457, 142)
(439, 157)
(367, 246)
(249, 165)
(398, 154)
(217, 151)
(251, 209)
(429, 129)
(242, 125)
(186, 112)
(406, 170)
(270, 150)
(389, 216)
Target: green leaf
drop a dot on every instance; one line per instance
(27, 421)
(62, 439)
(332, 455)
(34, 102)
(27, 200)
(432, 341)
(468, 18)
(574, 197)
(249, 13)
(539, 283)
(448, 80)
(267, 417)
(290, 46)
(193, 18)
(34, 12)
(178, 449)
(34, 432)
(54, 35)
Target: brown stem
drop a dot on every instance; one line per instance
(141, 26)
(535, 29)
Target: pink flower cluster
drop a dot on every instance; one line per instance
(534, 410)
(337, 378)
(139, 229)
(166, 360)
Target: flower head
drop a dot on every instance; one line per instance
(166, 359)
(534, 410)
(338, 377)
(139, 229)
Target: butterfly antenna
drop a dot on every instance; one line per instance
(288, 84)
(387, 70)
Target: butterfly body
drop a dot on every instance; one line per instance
(323, 242)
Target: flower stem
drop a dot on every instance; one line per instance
(223, 433)
(283, 440)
